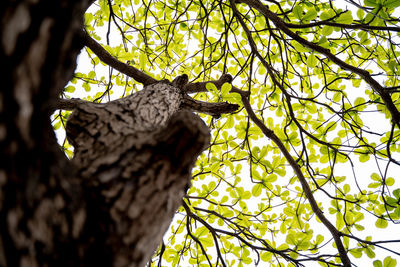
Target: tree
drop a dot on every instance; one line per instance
(311, 79)
(132, 162)
(56, 212)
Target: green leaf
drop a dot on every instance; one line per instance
(227, 95)
(142, 60)
(229, 122)
(327, 30)
(389, 262)
(257, 189)
(291, 239)
(91, 75)
(389, 181)
(364, 157)
(376, 177)
(396, 193)
(212, 88)
(346, 188)
(381, 223)
(391, 3)
(370, 253)
(69, 89)
(266, 256)
(207, 241)
(392, 65)
(299, 47)
(310, 14)
(359, 101)
(320, 239)
(225, 88)
(298, 12)
(356, 82)
(86, 86)
(345, 18)
(69, 153)
(312, 61)
(357, 253)
(57, 125)
(372, 3)
(325, 15)
(360, 14)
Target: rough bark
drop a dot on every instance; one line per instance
(136, 156)
(39, 196)
(112, 204)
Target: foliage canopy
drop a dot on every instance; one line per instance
(305, 171)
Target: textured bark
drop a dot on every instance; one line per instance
(113, 202)
(136, 156)
(40, 212)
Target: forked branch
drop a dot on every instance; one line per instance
(214, 109)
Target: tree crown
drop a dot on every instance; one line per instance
(304, 168)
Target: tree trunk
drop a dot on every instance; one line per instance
(113, 202)
(136, 155)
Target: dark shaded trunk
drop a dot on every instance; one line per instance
(54, 212)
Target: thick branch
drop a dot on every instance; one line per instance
(104, 56)
(210, 108)
(201, 86)
(67, 104)
(214, 109)
(203, 107)
(140, 76)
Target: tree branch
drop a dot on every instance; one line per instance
(107, 58)
(270, 134)
(365, 75)
(201, 86)
(341, 25)
(67, 104)
(214, 109)
(336, 234)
